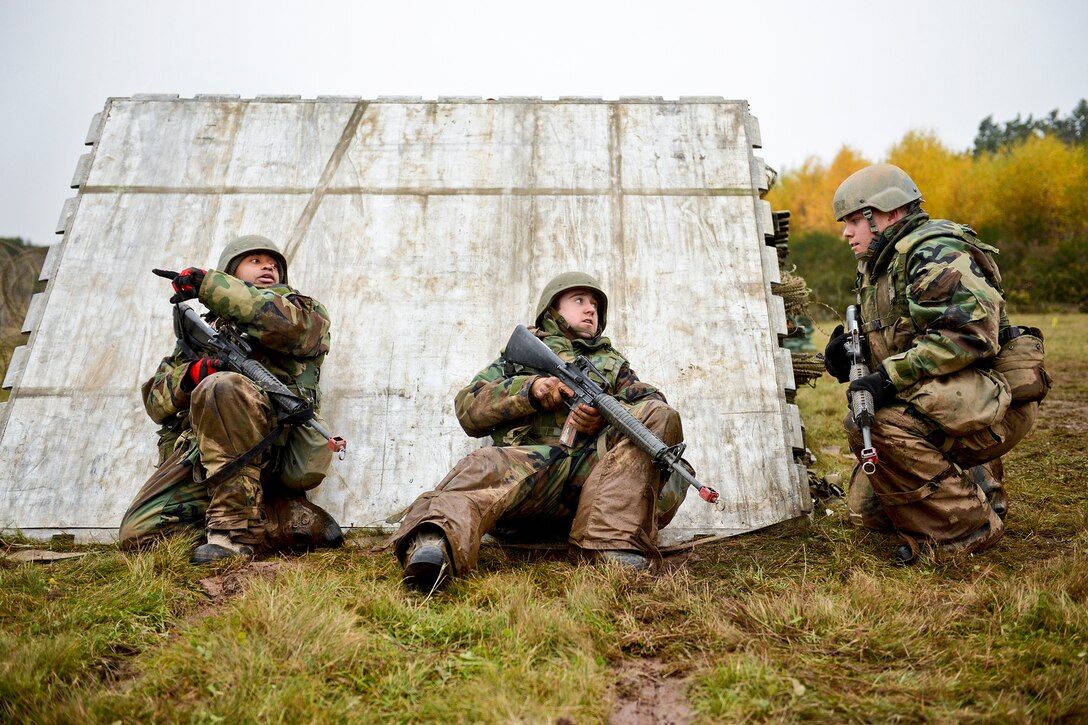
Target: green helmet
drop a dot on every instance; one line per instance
(228, 260)
(881, 186)
(568, 281)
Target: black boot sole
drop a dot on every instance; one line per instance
(427, 569)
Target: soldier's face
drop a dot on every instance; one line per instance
(856, 231)
(259, 269)
(579, 308)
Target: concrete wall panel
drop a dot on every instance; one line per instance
(427, 229)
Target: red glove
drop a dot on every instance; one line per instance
(199, 370)
(186, 283)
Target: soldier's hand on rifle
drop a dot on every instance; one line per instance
(836, 359)
(186, 283)
(198, 370)
(879, 384)
(549, 392)
(586, 419)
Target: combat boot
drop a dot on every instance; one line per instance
(219, 546)
(426, 563)
(312, 527)
(988, 477)
(983, 538)
(629, 559)
(293, 522)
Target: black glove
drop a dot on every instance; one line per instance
(198, 370)
(879, 384)
(836, 360)
(186, 283)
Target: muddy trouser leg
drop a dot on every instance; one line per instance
(925, 496)
(170, 501)
(230, 415)
(292, 521)
(486, 485)
(617, 508)
(980, 453)
(864, 507)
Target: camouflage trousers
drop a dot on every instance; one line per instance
(262, 505)
(607, 501)
(930, 487)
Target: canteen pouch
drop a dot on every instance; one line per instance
(1021, 361)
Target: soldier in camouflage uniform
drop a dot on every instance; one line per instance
(603, 494)
(212, 419)
(933, 315)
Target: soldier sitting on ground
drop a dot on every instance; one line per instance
(212, 420)
(601, 492)
(955, 386)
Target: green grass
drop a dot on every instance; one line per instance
(792, 623)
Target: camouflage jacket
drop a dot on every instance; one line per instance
(289, 333)
(931, 300)
(497, 403)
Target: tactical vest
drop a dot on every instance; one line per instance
(545, 427)
(302, 375)
(959, 403)
(883, 295)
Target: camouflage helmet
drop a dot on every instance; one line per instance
(228, 260)
(881, 186)
(568, 281)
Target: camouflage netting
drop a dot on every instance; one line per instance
(807, 367)
(794, 292)
(795, 295)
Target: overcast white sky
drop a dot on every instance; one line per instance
(817, 75)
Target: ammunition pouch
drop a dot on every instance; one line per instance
(962, 402)
(305, 458)
(1021, 361)
(672, 495)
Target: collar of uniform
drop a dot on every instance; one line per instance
(553, 323)
(879, 253)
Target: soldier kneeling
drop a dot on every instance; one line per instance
(223, 466)
(955, 385)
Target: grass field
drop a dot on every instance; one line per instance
(801, 622)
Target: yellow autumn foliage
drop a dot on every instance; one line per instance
(1037, 190)
(807, 192)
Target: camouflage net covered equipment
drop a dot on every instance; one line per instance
(794, 291)
(808, 366)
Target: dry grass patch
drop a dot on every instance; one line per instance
(791, 623)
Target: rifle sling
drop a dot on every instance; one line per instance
(236, 465)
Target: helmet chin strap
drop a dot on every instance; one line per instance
(868, 214)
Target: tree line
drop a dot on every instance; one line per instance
(1023, 187)
(20, 264)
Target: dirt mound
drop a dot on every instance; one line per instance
(224, 587)
(648, 691)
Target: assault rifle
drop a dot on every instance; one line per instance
(861, 401)
(527, 350)
(197, 339)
